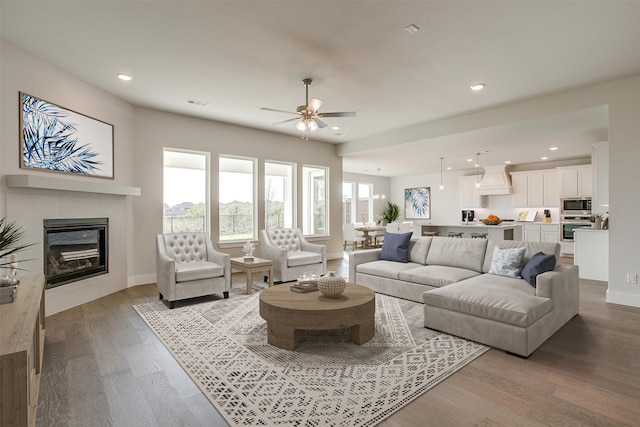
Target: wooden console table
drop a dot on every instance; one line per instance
(21, 351)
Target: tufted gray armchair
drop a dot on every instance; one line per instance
(291, 254)
(187, 266)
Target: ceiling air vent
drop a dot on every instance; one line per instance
(198, 103)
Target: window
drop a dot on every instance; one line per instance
(348, 205)
(237, 199)
(314, 200)
(279, 191)
(186, 190)
(365, 202)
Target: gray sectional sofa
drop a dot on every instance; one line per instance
(451, 277)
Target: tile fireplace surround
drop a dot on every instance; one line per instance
(31, 199)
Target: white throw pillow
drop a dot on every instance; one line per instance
(507, 262)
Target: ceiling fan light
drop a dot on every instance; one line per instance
(312, 125)
(301, 125)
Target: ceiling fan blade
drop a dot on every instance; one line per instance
(338, 114)
(287, 121)
(314, 104)
(320, 123)
(277, 111)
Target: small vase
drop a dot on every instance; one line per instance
(598, 224)
(331, 286)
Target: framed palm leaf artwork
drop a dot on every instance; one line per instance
(57, 139)
(417, 203)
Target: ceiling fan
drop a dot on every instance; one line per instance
(308, 116)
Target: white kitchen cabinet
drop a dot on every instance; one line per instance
(551, 196)
(519, 189)
(575, 181)
(469, 197)
(535, 189)
(542, 233)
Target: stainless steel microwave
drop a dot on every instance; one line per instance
(575, 205)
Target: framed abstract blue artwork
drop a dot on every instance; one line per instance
(417, 203)
(57, 139)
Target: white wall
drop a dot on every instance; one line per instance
(28, 207)
(156, 129)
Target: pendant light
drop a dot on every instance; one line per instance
(441, 184)
(478, 170)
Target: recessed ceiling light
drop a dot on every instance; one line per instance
(507, 162)
(553, 148)
(469, 160)
(544, 158)
(448, 168)
(125, 77)
(335, 127)
(477, 86)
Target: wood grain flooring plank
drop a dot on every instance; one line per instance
(126, 400)
(167, 407)
(53, 402)
(558, 412)
(88, 402)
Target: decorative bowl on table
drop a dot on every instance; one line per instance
(488, 221)
(331, 286)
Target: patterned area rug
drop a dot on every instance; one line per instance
(327, 380)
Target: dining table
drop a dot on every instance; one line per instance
(367, 237)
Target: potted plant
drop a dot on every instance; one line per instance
(10, 237)
(391, 213)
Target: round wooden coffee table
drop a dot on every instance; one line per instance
(286, 312)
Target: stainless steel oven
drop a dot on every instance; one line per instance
(567, 227)
(575, 206)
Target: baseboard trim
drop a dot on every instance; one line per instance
(141, 280)
(623, 298)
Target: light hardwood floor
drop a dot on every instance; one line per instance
(103, 366)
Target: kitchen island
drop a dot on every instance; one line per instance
(507, 230)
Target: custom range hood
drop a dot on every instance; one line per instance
(496, 180)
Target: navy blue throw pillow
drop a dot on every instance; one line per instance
(395, 247)
(538, 264)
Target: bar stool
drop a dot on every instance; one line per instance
(455, 234)
(478, 235)
(431, 233)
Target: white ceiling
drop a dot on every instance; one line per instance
(236, 55)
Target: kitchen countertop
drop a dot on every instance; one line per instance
(507, 224)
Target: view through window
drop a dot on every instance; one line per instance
(348, 207)
(279, 190)
(237, 198)
(315, 195)
(185, 187)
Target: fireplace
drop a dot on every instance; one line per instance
(75, 249)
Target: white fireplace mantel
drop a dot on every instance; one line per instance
(54, 183)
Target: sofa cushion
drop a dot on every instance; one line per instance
(383, 268)
(395, 247)
(497, 298)
(436, 275)
(507, 262)
(532, 249)
(462, 253)
(295, 259)
(538, 264)
(418, 249)
(188, 271)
